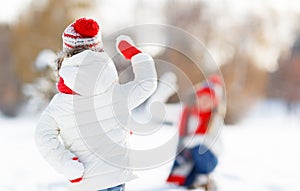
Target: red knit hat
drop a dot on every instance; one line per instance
(210, 91)
(83, 33)
(206, 90)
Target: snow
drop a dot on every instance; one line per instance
(46, 58)
(259, 154)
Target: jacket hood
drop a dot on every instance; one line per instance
(89, 72)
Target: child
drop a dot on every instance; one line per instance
(83, 114)
(197, 130)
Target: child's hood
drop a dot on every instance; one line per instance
(88, 73)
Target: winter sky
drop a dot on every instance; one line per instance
(10, 10)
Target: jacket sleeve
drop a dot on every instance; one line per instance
(144, 83)
(49, 145)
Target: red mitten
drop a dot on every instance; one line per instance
(73, 170)
(126, 47)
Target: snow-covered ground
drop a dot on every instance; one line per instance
(260, 154)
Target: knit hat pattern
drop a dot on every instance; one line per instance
(82, 34)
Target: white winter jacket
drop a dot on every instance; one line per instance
(93, 124)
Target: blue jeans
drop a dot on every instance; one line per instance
(116, 188)
(203, 164)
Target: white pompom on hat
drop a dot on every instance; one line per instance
(83, 33)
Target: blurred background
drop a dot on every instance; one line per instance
(253, 42)
(256, 45)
